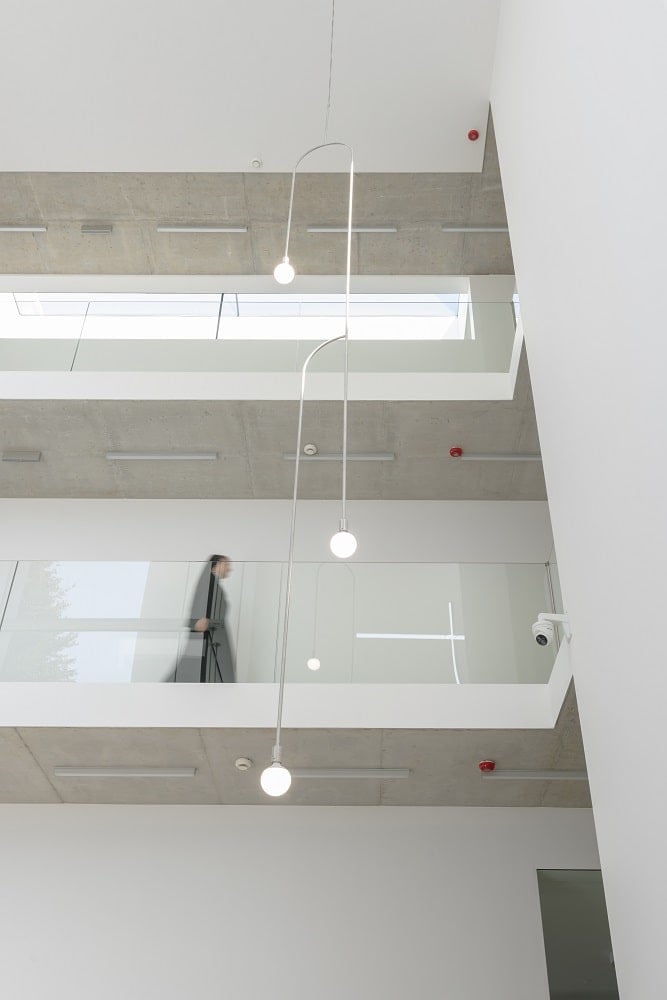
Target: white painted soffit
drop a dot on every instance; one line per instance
(213, 85)
(308, 706)
(399, 386)
(247, 283)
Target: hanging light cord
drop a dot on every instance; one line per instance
(320, 567)
(344, 337)
(331, 44)
(290, 558)
(354, 616)
(348, 268)
(317, 594)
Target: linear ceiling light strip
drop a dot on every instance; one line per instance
(358, 456)
(124, 772)
(543, 775)
(456, 451)
(500, 458)
(406, 635)
(475, 229)
(21, 456)
(201, 229)
(162, 456)
(351, 772)
(355, 229)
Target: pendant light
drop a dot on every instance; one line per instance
(343, 544)
(276, 778)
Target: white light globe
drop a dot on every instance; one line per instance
(284, 272)
(275, 779)
(313, 663)
(343, 544)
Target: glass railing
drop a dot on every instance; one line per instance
(444, 623)
(236, 332)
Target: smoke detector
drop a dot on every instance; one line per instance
(243, 763)
(310, 449)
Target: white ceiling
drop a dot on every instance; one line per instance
(209, 85)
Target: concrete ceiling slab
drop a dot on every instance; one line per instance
(418, 204)
(21, 777)
(443, 765)
(320, 748)
(251, 437)
(101, 196)
(435, 197)
(124, 747)
(21, 253)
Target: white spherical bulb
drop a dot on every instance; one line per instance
(283, 272)
(313, 663)
(343, 544)
(275, 779)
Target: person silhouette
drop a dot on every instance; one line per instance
(207, 617)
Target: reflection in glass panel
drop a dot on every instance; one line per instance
(38, 656)
(364, 622)
(417, 623)
(88, 657)
(44, 591)
(115, 304)
(580, 962)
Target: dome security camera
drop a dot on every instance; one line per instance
(544, 629)
(543, 633)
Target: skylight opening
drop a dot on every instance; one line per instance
(233, 316)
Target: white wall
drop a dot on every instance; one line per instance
(258, 530)
(578, 103)
(116, 121)
(164, 903)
